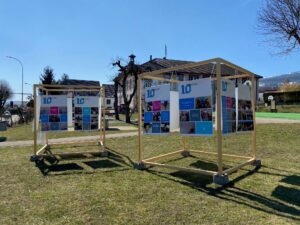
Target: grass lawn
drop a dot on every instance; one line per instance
(281, 108)
(292, 116)
(109, 191)
(25, 132)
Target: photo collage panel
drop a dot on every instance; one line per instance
(53, 118)
(86, 118)
(228, 115)
(196, 116)
(157, 117)
(245, 116)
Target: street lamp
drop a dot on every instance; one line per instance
(22, 74)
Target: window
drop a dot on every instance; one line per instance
(194, 77)
(108, 101)
(180, 77)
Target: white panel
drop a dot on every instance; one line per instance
(174, 111)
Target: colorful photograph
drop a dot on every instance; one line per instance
(63, 110)
(149, 106)
(54, 110)
(187, 127)
(156, 116)
(78, 110)
(63, 126)
(54, 126)
(165, 116)
(94, 110)
(78, 125)
(184, 116)
(54, 118)
(156, 106)
(165, 127)
(147, 128)
(195, 115)
(44, 110)
(86, 126)
(45, 127)
(165, 105)
(203, 102)
(206, 114)
(155, 127)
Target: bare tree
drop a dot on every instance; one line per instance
(121, 81)
(5, 94)
(280, 21)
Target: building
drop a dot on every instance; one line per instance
(109, 95)
(203, 71)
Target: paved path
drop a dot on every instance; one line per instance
(275, 120)
(120, 135)
(65, 140)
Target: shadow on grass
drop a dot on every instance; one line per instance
(102, 164)
(240, 196)
(288, 195)
(51, 164)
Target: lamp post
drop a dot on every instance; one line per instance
(22, 74)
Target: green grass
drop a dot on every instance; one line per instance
(25, 132)
(109, 191)
(292, 116)
(281, 108)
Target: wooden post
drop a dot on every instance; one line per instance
(34, 120)
(103, 114)
(100, 119)
(46, 136)
(140, 157)
(219, 119)
(253, 100)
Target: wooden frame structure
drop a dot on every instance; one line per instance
(44, 151)
(221, 176)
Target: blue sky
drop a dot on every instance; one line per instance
(82, 37)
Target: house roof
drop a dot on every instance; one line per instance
(206, 70)
(109, 90)
(82, 82)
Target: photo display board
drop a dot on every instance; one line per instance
(86, 112)
(245, 114)
(195, 107)
(228, 107)
(157, 110)
(53, 113)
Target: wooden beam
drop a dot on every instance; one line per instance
(161, 79)
(233, 169)
(253, 114)
(34, 121)
(219, 119)
(140, 138)
(163, 155)
(192, 170)
(224, 155)
(234, 66)
(175, 68)
(42, 149)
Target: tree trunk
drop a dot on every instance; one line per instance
(127, 113)
(117, 116)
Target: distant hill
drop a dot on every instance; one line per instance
(272, 83)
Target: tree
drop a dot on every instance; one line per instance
(280, 21)
(47, 77)
(287, 87)
(5, 94)
(63, 79)
(131, 70)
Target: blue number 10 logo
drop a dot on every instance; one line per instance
(150, 93)
(47, 100)
(185, 89)
(80, 101)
